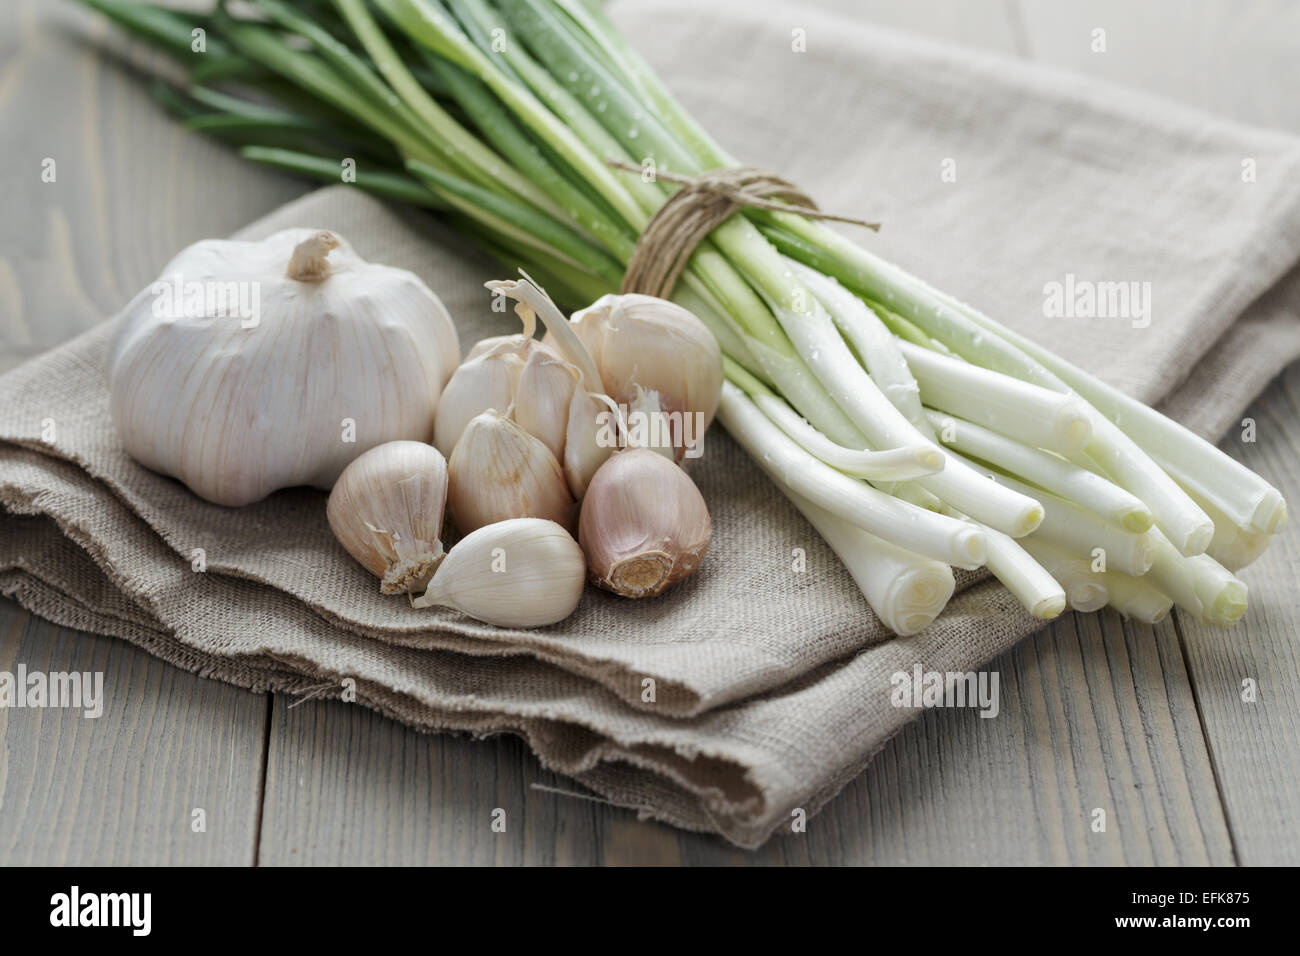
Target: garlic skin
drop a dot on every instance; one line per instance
(499, 471)
(639, 340)
(335, 356)
(490, 378)
(584, 452)
(542, 398)
(644, 524)
(483, 346)
(524, 572)
(386, 510)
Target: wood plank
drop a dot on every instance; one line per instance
(345, 785)
(1256, 746)
(1094, 713)
(121, 788)
(131, 186)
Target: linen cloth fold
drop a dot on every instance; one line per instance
(771, 684)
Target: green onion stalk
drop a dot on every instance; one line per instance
(507, 119)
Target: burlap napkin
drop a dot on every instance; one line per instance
(771, 684)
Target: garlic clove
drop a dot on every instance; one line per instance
(644, 525)
(590, 437)
(542, 398)
(499, 471)
(639, 340)
(523, 572)
(386, 510)
(488, 380)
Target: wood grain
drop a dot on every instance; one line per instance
(131, 186)
(1095, 713)
(122, 788)
(1256, 746)
(345, 785)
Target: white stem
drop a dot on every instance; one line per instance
(1128, 466)
(1248, 500)
(1084, 589)
(1067, 525)
(1255, 507)
(1198, 585)
(1028, 581)
(979, 339)
(906, 591)
(1237, 489)
(911, 492)
(792, 378)
(815, 336)
(1231, 546)
(926, 533)
(1135, 598)
(894, 464)
(1031, 414)
(1086, 488)
(871, 339)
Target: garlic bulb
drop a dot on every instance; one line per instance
(386, 511)
(654, 356)
(499, 471)
(644, 524)
(252, 366)
(525, 572)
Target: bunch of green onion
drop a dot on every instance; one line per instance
(912, 431)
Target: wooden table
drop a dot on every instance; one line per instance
(1148, 725)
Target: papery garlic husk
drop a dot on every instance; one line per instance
(640, 340)
(483, 346)
(386, 510)
(524, 572)
(644, 524)
(253, 366)
(499, 471)
(590, 437)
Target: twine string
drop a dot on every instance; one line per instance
(702, 204)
